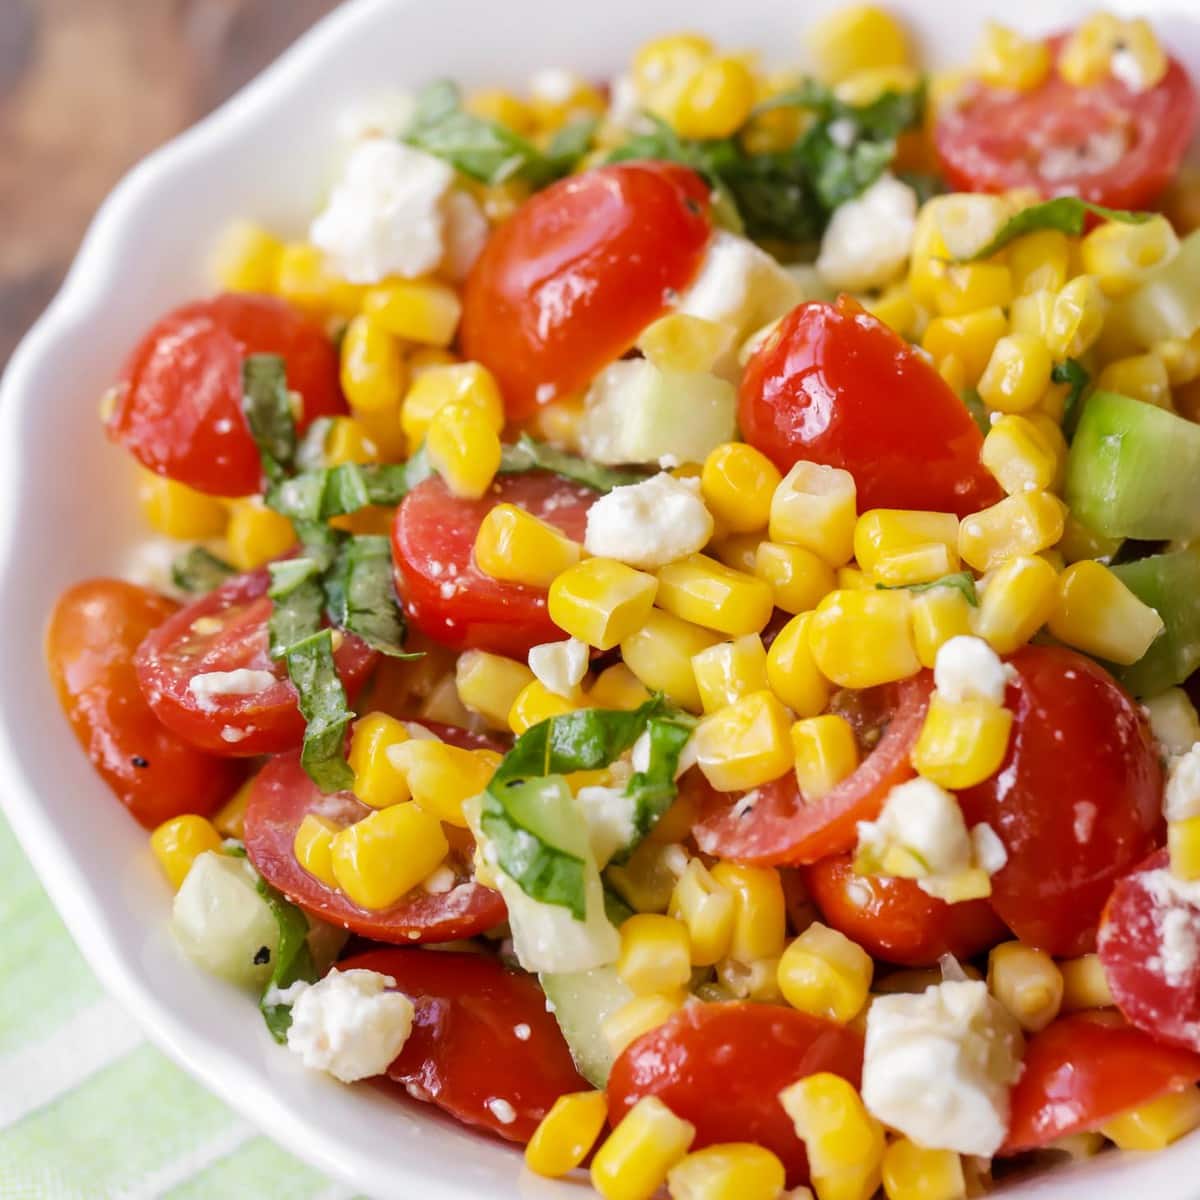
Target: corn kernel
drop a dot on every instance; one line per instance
(825, 974)
(707, 909)
(617, 687)
(1183, 844)
(312, 847)
(372, 367)
(968, 287)
(1157, 1123)
(852, 579)
(230, 819)
(177, 844)
(1079, 542)
(383, 428)
(792, 670)
(441, 777)
(730, 670)
(602, 602)
(938, 615)
(634, 1161)
(1086, 55)
(814, 506)
(715, 100)
(1076, 318)
(256, 534)
(860, 639)
(415, 310)
(825, 752)
(1017, 601)
(799, 579)
(647, 878)
(971, 338)
(1084, 984)
(1027, 983)
(1008, 60)
(1098, 614)
(1023, 455)
(854, 39)
(738, 483)
(866, 86)
(760, 917)
(1039, 263)
(379, 859)
(467, 383)
(744, 744)
(1017, 374)
(566, 1134)
(638, 1016)
(246, 258)
(1181, 360)
(303, 278)
(1017, 525)
(377, 780)
(883, 532)
(1121, 255)
(1141, 376)
(514, 545)
(671, 55)
(655, 955)
(348, 441)
(1030, 313)
(897, 309)
(178, 511)
(681, 342)
(757, 981)
(699, 589)
(495, 104)
(727, 1171)
(660, 654)
(489, 684)
(911, 1172)
(534, 704)
(464, 448)
(737, 550)
(962, 742)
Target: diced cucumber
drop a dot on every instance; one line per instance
(1169, 583)
(1134, 470)
(545, 809)
(582, 1000)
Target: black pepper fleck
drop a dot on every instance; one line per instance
(263, 956)
(140, 762)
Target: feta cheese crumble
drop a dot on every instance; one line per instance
(560, 666)
(245, 681)
(869, 238)
(649, 524)
(1181, 800)
(967, 668)
(610, 819)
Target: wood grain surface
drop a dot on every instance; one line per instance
(89, 86)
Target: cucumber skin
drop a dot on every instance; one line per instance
(582, 1000)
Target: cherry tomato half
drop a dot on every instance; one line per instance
(179, 401)
(893, 920)
(565, 286)
(283, 795)
(1076, 802)
(226, 630)
(445, 595)
(94, 630)
(1105, 143)
(834, 385)
(722, 1067)
(781, 826)
(465, 1054)
(1083, 1069)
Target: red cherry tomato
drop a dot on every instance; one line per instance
(464, 1053)
(1149, 944)
(722, 1067)
(1105, 143)
(283, 795)
(565, 286)
(445, 595)
(179, 402)
(1083, 1069)
(1076, 802)
(834, 385)
(893, 920)
(783, 827)
(226, 630)
(94, 630)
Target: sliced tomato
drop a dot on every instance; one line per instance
(833, 385)
(483, 1047)
(179, 400)
(781, 827)
(893, 920)
(1105, 143)
(565, 285)
(94, 630)
(1083, 1069)
(445, 594)
(1076, 802)
(722, 1067)
(283, 795)
(226, 630)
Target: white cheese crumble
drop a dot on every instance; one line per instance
(923, 820)
(245, 681)
(439, 882)
(554, 85)
(639, 755)
(1124, 66)
(868, 239)
(967, 668)
(466, 233)
(1181, 800)
(649, 524)
(1180, 948)
(501, 1109)
(349, 1024)
(522, 1032)
(938, 1066)
(987, 848)
(610, 819)
(560, 666)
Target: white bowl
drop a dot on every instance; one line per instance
(66, 512)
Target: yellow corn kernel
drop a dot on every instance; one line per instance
(1155, 1124)
(727, 1171)
(760, 918)
(1079, 542)
(1022, 454)
(415, 310)
(715, 100)
(799, 579)
(911, 1172)
(1181, 359)
(1027, 983)
(730, 670)
(534, 704)
(386, 854)
(897, 309)
(938, 615)
(372, 367)
(177, 844)
(246, 258)
(920, 564)
(1183, 843)
(442, 704)
(303, 278)
(256, 534)
(825, 752)
(708, 593)
(1120, 255)
(1084, 984)
(852, 579)
(601, 601)
(1016, 602)
(1142, 376)
(673, 54)
(312, 847)
(230, 819)
(468, 383)
(681, 342)
(844, 1142)
(883, 532)
(867, 85)
(1086, 55)
(707, 909)
(968, 287)
(1005, 59)
(1039, 263)
(1076, 318)
(660, 654)
(464, 449)
(377, 780)
(744, 744)
(515, 545)
(178, 511)
(1017, 525)
(1030, 313)
(441, 777)
(638, 1016)
(971, 338)
(348, 441)
(425, 358)
(1098, 614)
(1017, 374)
(737, 484)
(489, 684)
(814, 506)
(559, 422)
(825, 974)
(566, 1134)
(757, 981)
(496, 104)
(792, 670)
(383, 428)
(860, 638)
(962, 742)
(647, 879)
(737, 550)
(655, 957)
(855, 39)
(634, 1161)
(617, 687)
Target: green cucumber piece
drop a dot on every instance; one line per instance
(1169, 583)
(582, 1001)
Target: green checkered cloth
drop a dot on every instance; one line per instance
(88, 1109)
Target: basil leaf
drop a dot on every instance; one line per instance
(310, 453)
(530, 455)
(323, 703)
(1065, 213)
(293, 959)
(360, 595)
(334, 491)
(1071, 371)
(978, 410)
(572, 141)
(964, 581)
(197, 571)
(268, 410)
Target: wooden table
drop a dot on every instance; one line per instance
(89, 86)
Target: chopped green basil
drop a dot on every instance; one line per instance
(1073, 372)
(334, 491)
(978, 410)
(298, 601)
(323, 703)
(1065, 213)
(360, 595)
(268, 410)
(198, 571)
(293, 959)
(530, 455)
(964, 581)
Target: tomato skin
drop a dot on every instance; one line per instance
(445, 595)
(833, 385)
(986, 140)
(784, 828)
(240, 726)
(722, 1067)
(179, 401)
(281, 798)
(463, 1050)
(565, 286)
(1085, 1068)
(93, 632)
(893, 920)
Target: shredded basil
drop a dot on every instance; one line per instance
(1073, 372)
(323, 703)
(1065, 213)
(298, 601)
(360, 595)
(268, 410)
(293, 958)
(963, 581)
(978, 410)
(198, 571)
(530, 455)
